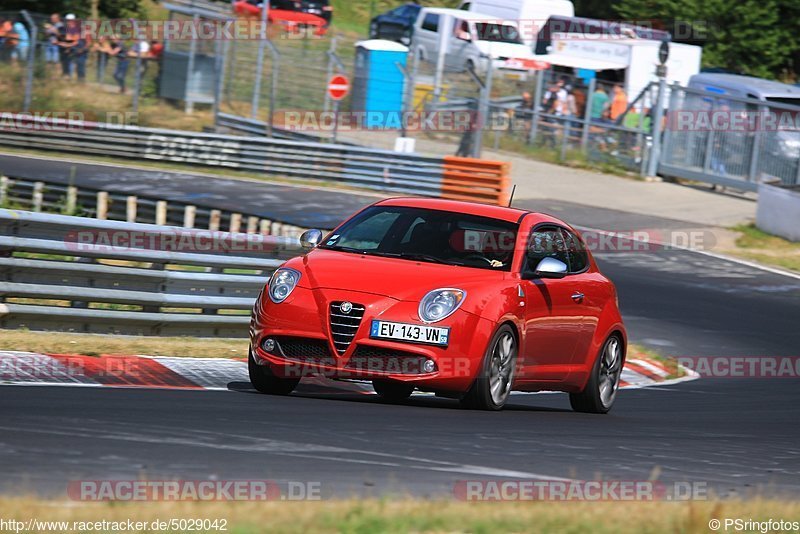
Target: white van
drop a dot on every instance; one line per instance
(529, 15)
(468, 39)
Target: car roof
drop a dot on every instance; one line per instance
(746, 84)
(465, 15)
(502, 213)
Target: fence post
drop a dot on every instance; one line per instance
(587, 115)
(658, 116)
(130, 208)
(484, 108)
(752, 174)
(161, 212)
(38, 196)
(189, 213)
(214, 219)
(537, 101)
(262, 42)
(4, 186)
(26, 105)
(221, 69)
(276, 62)
(326, 106)
(102, 205)
(137, 77)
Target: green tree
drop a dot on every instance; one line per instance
(755, 37)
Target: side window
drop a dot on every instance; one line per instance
(431, 22)
(578, 257)
(546, 242)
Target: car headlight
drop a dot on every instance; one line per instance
(282, 283)
(440, 303)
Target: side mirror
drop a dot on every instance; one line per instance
(310, 239)
(551, 268)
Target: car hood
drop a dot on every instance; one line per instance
(390, 277)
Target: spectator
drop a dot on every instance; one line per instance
(80, 52)
(120, 51)
(5, 31)
(52, 31)
(67, 40)
(156, 52)
(599, 104)
(19, 40)
(619, 103)
(579, 97)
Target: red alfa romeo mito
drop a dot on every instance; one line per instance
(468, 301)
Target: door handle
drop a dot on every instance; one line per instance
(577, 297)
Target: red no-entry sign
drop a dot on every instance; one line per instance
(338, 87)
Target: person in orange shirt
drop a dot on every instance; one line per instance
(619, 103)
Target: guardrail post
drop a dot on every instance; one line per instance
(235, 225)
(4, 186)
(38, 196)
(189, 214)
(252, 225)
(102, 205)
(161, 212)
(587, 115)
(130, 209)
(214, 219)
(72, 200)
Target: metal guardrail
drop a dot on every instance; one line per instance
(244, 126)
(363, 167)
(68, 273)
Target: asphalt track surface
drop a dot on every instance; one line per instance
(739, 436)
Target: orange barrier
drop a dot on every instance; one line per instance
(477, 180)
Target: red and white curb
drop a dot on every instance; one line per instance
(28, 368)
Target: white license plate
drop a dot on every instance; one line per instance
(434, 335)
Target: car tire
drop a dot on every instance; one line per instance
(392, 391)
(265, 381)
(499, 364)
(606, 371)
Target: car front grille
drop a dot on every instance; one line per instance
(375, 359)
(305, 350)
(344, 325)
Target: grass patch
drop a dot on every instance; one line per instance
(756, 245)
(97, 344)
(408, 515)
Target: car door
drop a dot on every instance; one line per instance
(590, 289)
(553, 319)
(427, 35)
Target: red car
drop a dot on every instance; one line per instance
(291, 22)
(468, 301)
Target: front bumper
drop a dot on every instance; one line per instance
(303, 337)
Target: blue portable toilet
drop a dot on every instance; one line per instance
(378, 83)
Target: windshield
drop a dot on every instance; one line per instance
(433, 236)
(499, 33)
